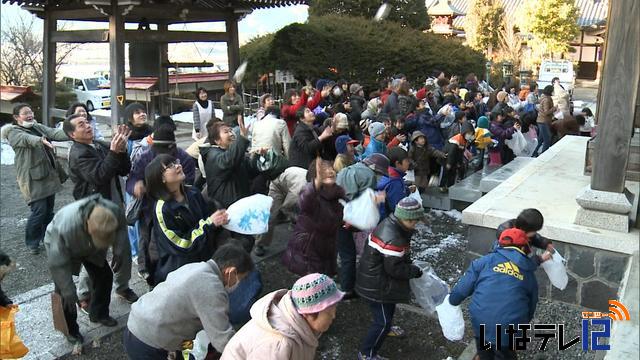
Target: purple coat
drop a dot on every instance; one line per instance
(312, 247)
(137, 168)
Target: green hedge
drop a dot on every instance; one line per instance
(358, 49)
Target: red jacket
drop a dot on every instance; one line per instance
(288, 112)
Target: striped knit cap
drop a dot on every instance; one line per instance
(409, 209)
(315, 292)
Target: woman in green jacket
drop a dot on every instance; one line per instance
(39, 174)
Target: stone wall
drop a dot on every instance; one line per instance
(595, 275)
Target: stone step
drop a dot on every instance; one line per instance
(468, 189)
(497, 177)
(433, 198)
(624, 334)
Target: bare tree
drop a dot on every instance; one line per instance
(510, 43)
(21, 56)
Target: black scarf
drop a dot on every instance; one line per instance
(139, 132)
(204, 104)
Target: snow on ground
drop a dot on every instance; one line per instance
(7, 154)
(457, 215)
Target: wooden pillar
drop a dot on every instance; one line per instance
(48, 69)
(163, 73)
(233, 44)
(116, 64)
(617, 97)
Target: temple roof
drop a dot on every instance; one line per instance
(442, 8)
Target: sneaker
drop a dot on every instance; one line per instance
(108, 321)
(260, 250)
(34, 250)
(144, 274)
(128, 296)
(396, 331)
(83, 305)
(374, 357)
(75, 339)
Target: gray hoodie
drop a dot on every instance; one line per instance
(193, 298)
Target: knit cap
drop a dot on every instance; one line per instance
(354, 88)
(376, 129)
(378, 163)
(483, 122)
(409, 209)
(501, 95)
(342, 122)
(315, 292)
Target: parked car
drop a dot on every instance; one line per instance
(90, 91)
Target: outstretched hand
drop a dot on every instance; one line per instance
(219, 218)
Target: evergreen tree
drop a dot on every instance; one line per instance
(411, 13)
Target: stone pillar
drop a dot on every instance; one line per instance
(606, 203)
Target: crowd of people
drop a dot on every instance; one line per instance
(150, 203)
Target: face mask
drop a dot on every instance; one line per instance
(337, 92)
(28, 124)
(231, 289)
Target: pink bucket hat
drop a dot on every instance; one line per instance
(315, 292)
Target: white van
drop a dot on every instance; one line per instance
(90, 91)
(562, 69)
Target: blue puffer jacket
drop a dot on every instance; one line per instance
(504, 288)
(396, 190)
(375, 147)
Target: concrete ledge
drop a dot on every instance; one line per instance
(551, 184)
(499, 176)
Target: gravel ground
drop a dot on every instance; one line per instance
(30, 271)
(440, 242)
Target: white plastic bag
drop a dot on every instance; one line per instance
(451, 320)
(517, 143)
(410, 176)
(250, 215)
(362, 212)
(556, 271)
(416, 195)
(428, 289)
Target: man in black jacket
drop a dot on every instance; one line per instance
(307, 140)
(94, 169)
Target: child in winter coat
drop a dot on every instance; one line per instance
(393, 183)
(286, 324)
(376, 141)
(455, 149)
(530, 221)
(384, 272)
(506, 272)
(312, 247)
(422, 154)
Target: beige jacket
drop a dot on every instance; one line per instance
(270, 133)
(275, 332)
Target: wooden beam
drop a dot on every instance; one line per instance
(163, 74)
(80, 36)
(48, 71)
(116, 65)
(97, 36)
(169, 13)
(618, 96)
(233, 44)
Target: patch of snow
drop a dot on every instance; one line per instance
(334, 351)
(7, 154)
(455, 214)
(447, 242)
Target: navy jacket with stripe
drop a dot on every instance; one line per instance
(183, 233)
(385, 265)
